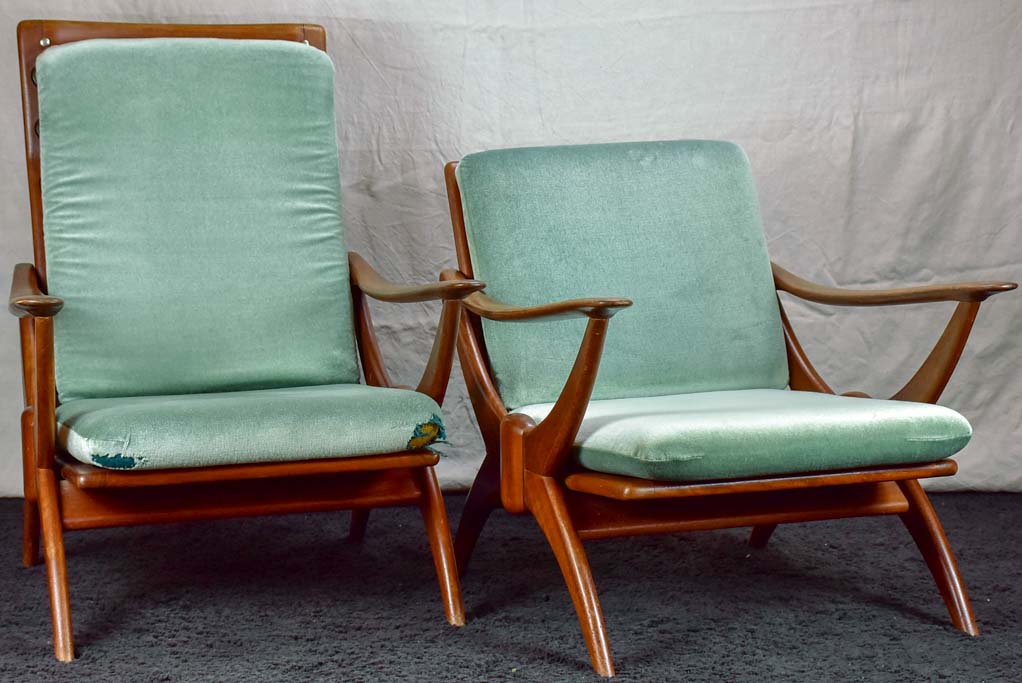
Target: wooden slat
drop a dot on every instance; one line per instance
(92, 508)
(632, 488)
(598, 517)
(85, 476)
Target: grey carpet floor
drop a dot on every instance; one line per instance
(287, 599)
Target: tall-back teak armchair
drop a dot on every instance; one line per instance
(192, 325)
(695, 408)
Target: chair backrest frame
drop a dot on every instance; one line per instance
(527, 368)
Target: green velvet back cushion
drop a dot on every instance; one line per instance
(674, 226)
(192, 217)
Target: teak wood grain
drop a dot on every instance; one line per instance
(527, 465)
(837, 296)
(487, 307)
(64, 494)
(631, 488)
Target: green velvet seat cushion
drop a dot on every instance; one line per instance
(730, 434)
(192, 216)
(674, 226)
(332, 421)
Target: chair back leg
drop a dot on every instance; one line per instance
(438, 530)
(56, 568)
(359, 522)
(546, 502)
(483, 498)
(921, 521)
(30, 532)
(761, 534)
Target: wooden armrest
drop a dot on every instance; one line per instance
(487, 307)
(27, 298)
(367, 282)
(367, 279)
(929, 381)
(786, 281)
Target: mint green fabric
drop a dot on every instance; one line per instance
(192, 217)
(729, 434)
(674, 226)
(269, 425)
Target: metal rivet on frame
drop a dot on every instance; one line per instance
(45, 42)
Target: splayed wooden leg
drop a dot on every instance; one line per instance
(546, 502)
(921, 521)
(359, 522)
(483, 498)
(435, 518)
(761, 534)
(56, 568)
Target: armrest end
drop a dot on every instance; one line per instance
(594, 308)
(367, 279)
(27, 298)
(988, 289)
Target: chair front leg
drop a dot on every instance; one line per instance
(922, 522)
(56, 567)
(546, 502)
(43, 449)
(437, 529)
(30, 507)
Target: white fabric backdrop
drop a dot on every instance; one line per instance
(883, 135)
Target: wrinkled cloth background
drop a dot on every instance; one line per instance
(883, 136)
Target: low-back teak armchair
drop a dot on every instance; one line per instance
(192, 326)
(696, 408)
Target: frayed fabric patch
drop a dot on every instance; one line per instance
(428, 433)
(115, 461)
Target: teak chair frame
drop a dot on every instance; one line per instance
(64, 494)
(527, 467)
